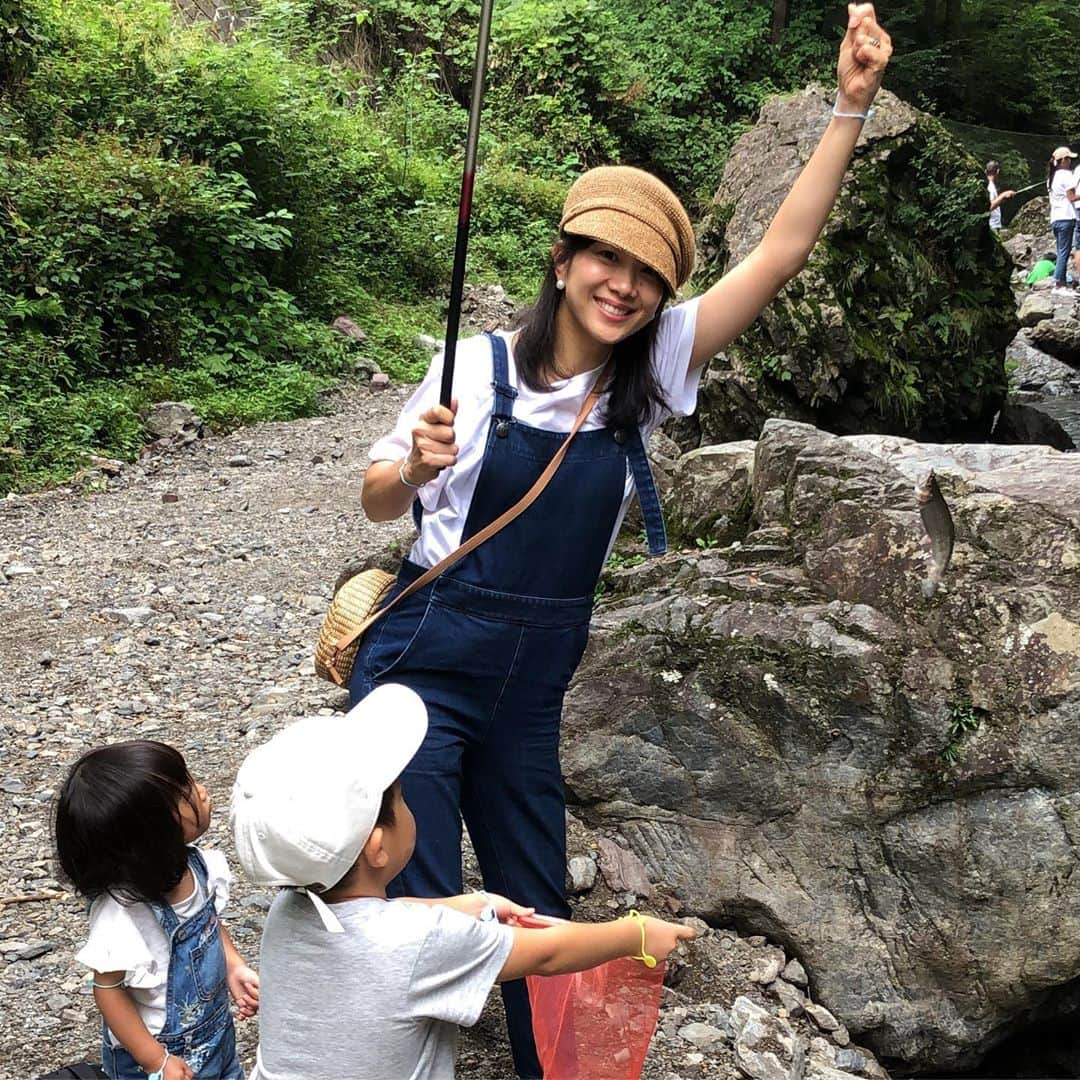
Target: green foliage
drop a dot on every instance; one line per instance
(964, 718)
(182, 218)
(905, 303)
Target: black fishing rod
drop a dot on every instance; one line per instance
(468, 178)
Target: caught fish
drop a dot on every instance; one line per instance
(938, 523)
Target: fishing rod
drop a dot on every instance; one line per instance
(468, 177)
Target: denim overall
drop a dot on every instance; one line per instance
(490, 647)
(198, 1024)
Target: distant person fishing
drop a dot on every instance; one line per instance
(993, 172)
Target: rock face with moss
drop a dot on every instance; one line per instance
(900, 321)
(792, 735)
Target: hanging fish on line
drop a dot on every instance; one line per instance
(938, 523)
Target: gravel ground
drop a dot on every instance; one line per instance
(180, 600)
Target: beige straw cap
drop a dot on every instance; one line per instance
(1063, 152)
(635, 211)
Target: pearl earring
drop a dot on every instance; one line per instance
(560, 284)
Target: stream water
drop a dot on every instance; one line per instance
(1066, 411)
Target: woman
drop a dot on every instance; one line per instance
(493, 643)
(1062, 188)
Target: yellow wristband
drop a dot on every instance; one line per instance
(643, 956)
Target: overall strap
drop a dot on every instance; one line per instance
(500, 379)
(647, 494)
(485, 533)
(164, 912)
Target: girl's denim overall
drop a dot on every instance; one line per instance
(198, 1024)
(490, 646)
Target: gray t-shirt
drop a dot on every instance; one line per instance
(381, 1001)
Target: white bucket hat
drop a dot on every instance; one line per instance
(305, 803)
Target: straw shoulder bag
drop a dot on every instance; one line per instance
(361, 600)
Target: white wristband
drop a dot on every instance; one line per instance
(401, 476)
(161, 1068)
(850, 115)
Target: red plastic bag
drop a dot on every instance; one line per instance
(595, 1024)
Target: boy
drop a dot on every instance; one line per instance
(353, 984)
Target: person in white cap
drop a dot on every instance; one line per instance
(1061, 185)
(355, 985)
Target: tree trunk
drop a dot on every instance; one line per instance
(953, 12)
(779, 20)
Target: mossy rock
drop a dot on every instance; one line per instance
(900, 320)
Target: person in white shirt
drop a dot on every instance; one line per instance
(1061, 187)
(492, 643)
(1076, 229)
(993, 171)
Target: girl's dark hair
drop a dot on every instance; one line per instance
(992, 168)
(118, 828)
(635, 392)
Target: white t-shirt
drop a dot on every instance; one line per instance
(1076, 185)
(1060, 207)
(995, 214)
(128, 938)
(380, 1001)
(447, 498)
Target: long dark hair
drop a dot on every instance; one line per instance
(117, 825)
(635, 393)
(1052, 168)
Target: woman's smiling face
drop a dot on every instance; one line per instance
(608, 293)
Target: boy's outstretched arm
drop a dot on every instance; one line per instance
(567, 947)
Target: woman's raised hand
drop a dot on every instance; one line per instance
(433, 445)
(864, 54)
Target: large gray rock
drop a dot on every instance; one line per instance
(890, 785)
(710, 493)
(1059, 337)
(900, 320)
(1034, 308)
(1036, 371)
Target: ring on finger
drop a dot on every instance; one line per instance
(873, 41)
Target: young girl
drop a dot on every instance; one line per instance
(164, 966)
(491, 645)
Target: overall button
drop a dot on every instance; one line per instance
(502, 429)
(619, 436)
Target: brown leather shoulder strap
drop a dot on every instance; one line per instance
(489, 530)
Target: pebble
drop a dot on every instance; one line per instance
(703, 1036)
(380, 380)
(240, 461)
(16, 569)
(582, 871)
(34, 950)
(134, 616)
(794, 973)
(821, 1016)
(57, 1003)
(13, 787)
